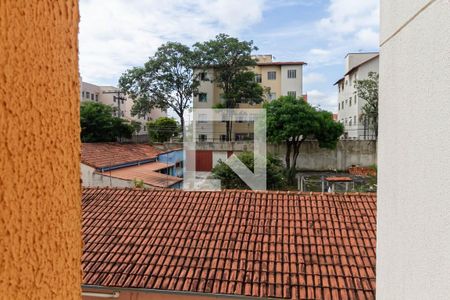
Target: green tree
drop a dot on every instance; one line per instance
(230, 180)
(136, 126)
(166, 80)
(231, 60)
(367, 89)
(291, 121)
(99, 125)
(162, 129)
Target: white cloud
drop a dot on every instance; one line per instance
(348, 16)
(350, 26)
(311, 78)
(118, 34)
(326, 101)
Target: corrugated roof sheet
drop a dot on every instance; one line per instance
(262, 244)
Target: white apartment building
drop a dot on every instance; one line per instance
(122, 104)
(357, 67)
(282, 78)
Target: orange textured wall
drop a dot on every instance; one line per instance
(40, 240)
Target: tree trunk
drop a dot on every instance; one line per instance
(288, 155)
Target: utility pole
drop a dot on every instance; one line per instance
(120, 97)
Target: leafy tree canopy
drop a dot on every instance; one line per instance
(162, 129)
(291, 121)
(367, 89)
(166, 80)
(231, 60)
(99, 125)
(230, 180)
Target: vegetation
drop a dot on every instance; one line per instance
(230, 180)
(166, 80)
(136, 126)
(99, 125)
(231, 59)
(138, 183)
(291, 121)
(367, 89)
(162, 129)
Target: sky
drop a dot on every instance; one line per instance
(116, 35)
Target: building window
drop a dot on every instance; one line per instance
(203, 76)
(339, 105)
(292, 93)
(258, 78)
(82, 94)
(114, 98)
(202, 137)
(350, 102)
(354, 120)
(272, 75)
(223, 137)
(355, 99)
(92, 96)
(122, 113)
(96, 97)
(88, 95)
(292, 74)
(202, 97)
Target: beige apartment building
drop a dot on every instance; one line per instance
(280, 79)
(122, 104)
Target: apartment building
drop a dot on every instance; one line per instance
(357, 67)
(122, 104)
(280, 79)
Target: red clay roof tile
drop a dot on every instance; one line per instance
(102, 155)
(261, 244)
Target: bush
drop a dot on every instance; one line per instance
(230, 180)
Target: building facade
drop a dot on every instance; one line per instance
(122, 104)
(278, 79)
(357, 67)
(413, 200)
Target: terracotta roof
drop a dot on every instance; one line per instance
(102, 155)
(146, 173)
(338, 179)
(282, 63)
(245, 243)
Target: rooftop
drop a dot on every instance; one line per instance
(104, 155)
(244, 243)
(282, 63)
(147, 173)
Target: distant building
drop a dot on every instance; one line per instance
(280, 79)
(357, 67)
(121, 104)
(119, 165)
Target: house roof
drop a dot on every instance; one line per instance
(146, 173)
(244, 243)
(282, 63)
(357, 66)
(103, 155)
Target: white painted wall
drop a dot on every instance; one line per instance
(348, 111)
(219, 155)
(292, 84)
(91, 179)
(413, 251)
